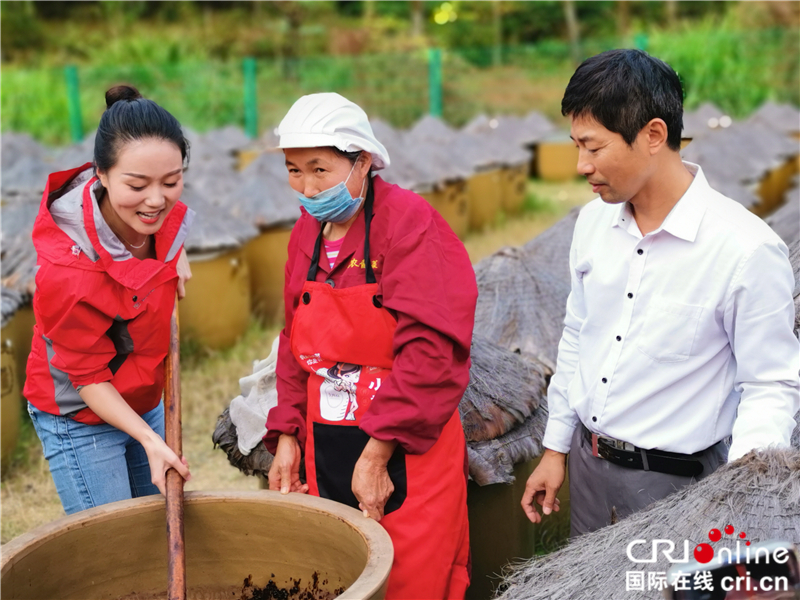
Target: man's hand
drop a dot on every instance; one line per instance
(184, 273)
(543, 485)
(371, 484)
(284, 474)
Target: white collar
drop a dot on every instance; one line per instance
(683, 221)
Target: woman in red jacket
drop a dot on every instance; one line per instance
(374, 359)
(109, 239)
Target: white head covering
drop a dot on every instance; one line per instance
(331, 120)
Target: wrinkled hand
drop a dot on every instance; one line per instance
(371, 484)
(162, 459)
(184, 273)
(284, 474)
(543, 485)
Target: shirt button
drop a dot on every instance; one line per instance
(604, 380)
(594, 419)
(640, 252)
(630, 295)
(619, 339)
(330, 282)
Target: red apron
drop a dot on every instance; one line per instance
(343, 338)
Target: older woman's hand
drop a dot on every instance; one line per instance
(371, 483)
(284, 474)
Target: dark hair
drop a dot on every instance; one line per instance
(624, 90)
(130, 117)
(351, 156)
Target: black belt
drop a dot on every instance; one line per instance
(627, 455)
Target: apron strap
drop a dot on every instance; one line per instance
(367, 222)
(312, 271)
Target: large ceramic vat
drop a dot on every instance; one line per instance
(556, 158)
(500, 532)
(485, 198)
(515, 186)
(18, 333)
(266, 256)
(120, 549)
(216, 309)
(772, 188)
(452, 202)
(11, 404)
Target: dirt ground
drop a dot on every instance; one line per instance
(209, 382)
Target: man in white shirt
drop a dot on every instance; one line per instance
(678, 331)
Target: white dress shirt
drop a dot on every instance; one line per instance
(679, 338)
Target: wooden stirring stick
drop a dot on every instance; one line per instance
(172, 410)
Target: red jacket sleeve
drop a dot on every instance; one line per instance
(67, 316)
(429, 282)
(289, 416)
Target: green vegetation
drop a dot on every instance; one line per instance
(736, 69)
(537, 204)
(188, 56)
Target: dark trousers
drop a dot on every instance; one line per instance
(601, 492)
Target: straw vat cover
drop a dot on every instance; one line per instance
(74, 156)
(536, 125)
(269, 139)
(214, 227)
(479, 124)
(28, 175)
(406, 171)
(783, 118)
(432, 128)
(504, 389)
(522, 293)
(18, 256)
(212, 165)
(225, 140)
(263, 195)
(515, 131)
(492, 147)
(695, 123)
(10, 301)
(794, 258)
(786, 220)
(493, 461)
(433, 146)
(747, 150)
(14, 146)
(758, 494)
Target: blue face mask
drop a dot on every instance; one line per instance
(334, 205)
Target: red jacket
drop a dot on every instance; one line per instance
(101, 314)
(427, 282)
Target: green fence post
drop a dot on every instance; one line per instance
(250, 104)
(74, 103)
(435, 81)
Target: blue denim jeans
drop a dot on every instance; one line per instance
(95, 464)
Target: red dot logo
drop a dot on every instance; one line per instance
(715, 535)
(729, 529)
(703, 553)
(743, 535)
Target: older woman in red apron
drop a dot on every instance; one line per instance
(373, 361)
